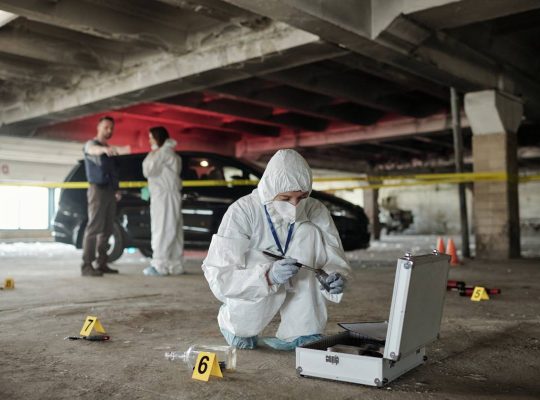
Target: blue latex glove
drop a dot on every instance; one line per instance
(282, 271)
(336, 282)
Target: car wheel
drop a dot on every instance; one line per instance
(146, 251)
(116, 243)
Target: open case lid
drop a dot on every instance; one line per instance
(417, 303)
(368, 330)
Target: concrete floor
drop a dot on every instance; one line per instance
(489, 349)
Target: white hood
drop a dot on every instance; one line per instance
(169, 143)
(287, 171)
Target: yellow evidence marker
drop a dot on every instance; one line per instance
(479, 294)
(207, 364)
(91, 323)
(9, 283)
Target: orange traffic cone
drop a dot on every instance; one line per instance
(440, 245)
(451, 251)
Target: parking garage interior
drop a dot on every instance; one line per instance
(422, 116)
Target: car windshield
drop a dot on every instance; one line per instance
(205, 168)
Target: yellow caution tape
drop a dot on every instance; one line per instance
(371, 182)
(463, 176)
(529, 178)
(50, 185)
(130, 185)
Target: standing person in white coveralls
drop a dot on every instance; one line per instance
(278, 216)
(162, 167)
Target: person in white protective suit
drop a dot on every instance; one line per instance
(278, 216)
(162, 167)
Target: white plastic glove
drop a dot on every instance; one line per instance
(282, 271)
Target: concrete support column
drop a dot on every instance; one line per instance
(371, 207)
(494, 118)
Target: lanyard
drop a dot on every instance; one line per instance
(275, 235)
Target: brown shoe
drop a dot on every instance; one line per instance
(104, 269)
(88, 270)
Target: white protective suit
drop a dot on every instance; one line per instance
(162, 168)
(235, 266)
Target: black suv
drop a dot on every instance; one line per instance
(202, 207)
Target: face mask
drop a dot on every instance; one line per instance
(154, 146)
(300, 207)
(287, 211)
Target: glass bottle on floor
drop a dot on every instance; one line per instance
(226, 355)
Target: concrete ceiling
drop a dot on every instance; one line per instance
(341, 81)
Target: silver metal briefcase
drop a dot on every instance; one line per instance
(376, 353)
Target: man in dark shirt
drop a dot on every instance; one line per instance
(102, 175)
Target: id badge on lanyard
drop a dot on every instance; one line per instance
(275, 235)
(288, 285)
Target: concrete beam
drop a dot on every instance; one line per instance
(405, 44)
(262, 112)
(334, 163)
(352, 113)
(301, 121)
(165, 75)
(319, 17)
(492, 112)
(342, 86)
(170, 121)
(6, 18)
(505, 49)
(399, 148)
(433, 142)
(222, 106)
(344, 153)
(11, 70)
(393, 74)
(98, 20)
(384, 12)
(51, 50)
(470, 67)
(255, 92)
(255, 129)
(358, 39)
(445, 14)
(269, 94)
(215, 9)
(132, 132)
(452, 13)
(384, 130)
(109, 48)
(328, 160)
(183, 116)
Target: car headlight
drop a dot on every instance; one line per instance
(338, 211)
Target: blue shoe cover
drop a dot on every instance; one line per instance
(245, 343)
(279, 344)
(151, 271)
